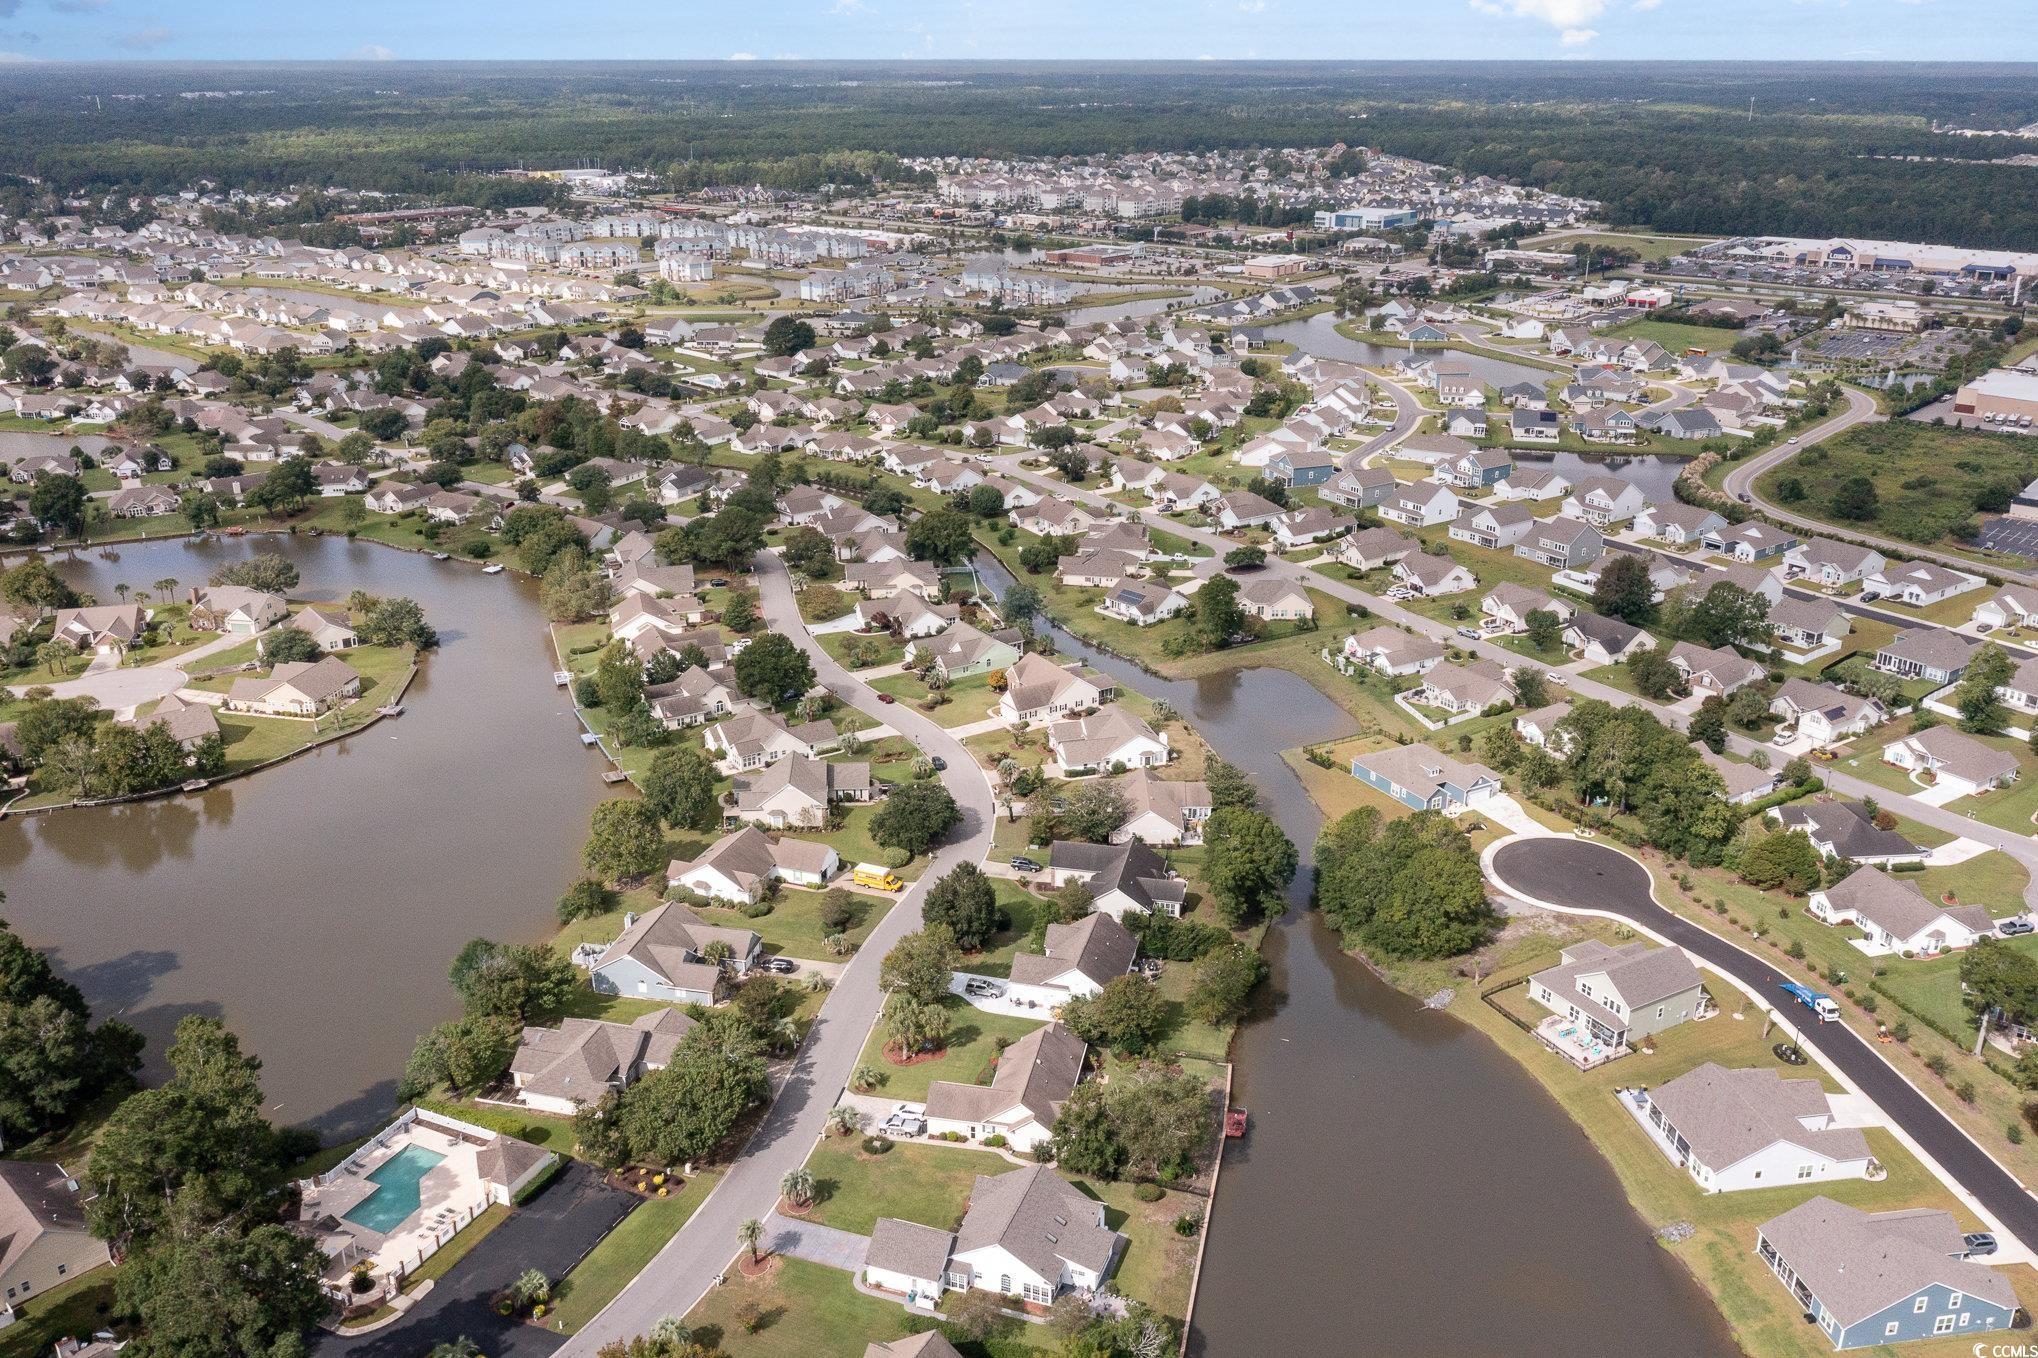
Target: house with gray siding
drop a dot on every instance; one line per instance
(1871, 1278)
(1424, 779)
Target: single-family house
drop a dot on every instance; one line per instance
(1078, 960)
(1750, 541)
(1420, 505)
(1028, 1234)
(662, 954)
(1711, 671)
(1495, 527)
(795, 793)
(1679, 525)
(1874, 1278)
(1896, 916)
(1275, 600)
(1105, 739)
(1931, 653)
(1433, 576)
(1162, 811)
(1142, 602)
(961, 651)
(1845, 830)
(1603, 501)
(1421, 778)
(1917, 583)
(562, 1070)
(1742, 1129)
(1037, 689)
(1613, 996)
(296, 689)
(1124, 877)
(44, 1242)
(751, 740)
(1953, 760)
(1532, 483)
(1371, 548)
(737, 866)
(1243, 509)
(1832, 564)
(1035, 1077)
(2011, 606)
(1464, 689)
(1807, 624)
(1824, 714)
(1563, 543)
(1603, 640)
(1299, 527)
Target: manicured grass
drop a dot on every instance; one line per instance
(888, 651)
(927, 1184)
(1677, 338)
(1721, 1252)
(1023, 909)
(74, 1309)
(540, 1129)
(972, 1043)
(812, 1311)
(794, 925)
(623, 1253)
(969, 700)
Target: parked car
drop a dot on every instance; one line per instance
(903, 1121)
(782, 966)
(2010, 928)
(886, 698)
(938, 762)
(982, 989)
(1558, 677)
(1025, 864)
(1979, 1243)
(1782, 738)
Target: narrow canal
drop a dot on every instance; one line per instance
(1406, 1188)
(316, 905)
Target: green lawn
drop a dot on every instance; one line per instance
(74, 1309)
(888, 651)
(794, 926)
(1677, 338)
(972, 1043)
(1023, 910)
(540, 1129)
(927, 1184)
(812, 1311)
(623, 1253)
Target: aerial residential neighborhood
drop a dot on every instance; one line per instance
(667, 700)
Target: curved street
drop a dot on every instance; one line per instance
(1575, 873)
(1861, 409)
(687, 1267)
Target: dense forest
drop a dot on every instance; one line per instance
(1671, 146)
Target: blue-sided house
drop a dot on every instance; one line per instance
(1869, 1278)
(1423, 779)
(1301, 467)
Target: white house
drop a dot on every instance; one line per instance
(737, 867)
(1741, 1129)
(1955, 761)
(1896, 917)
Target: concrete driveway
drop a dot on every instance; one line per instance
(118, 691)
(815, 1244)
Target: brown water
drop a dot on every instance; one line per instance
(1406, 1187)
(315, 906)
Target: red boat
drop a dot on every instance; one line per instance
(1234, 1122)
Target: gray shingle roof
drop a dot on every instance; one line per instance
(1858, 1263)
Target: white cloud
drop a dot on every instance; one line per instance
(144, 39)
(372, 51)
(743, 56)
(848, 7)
(14, 58)
(1573, 14)
(1575, 37)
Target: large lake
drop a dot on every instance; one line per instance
(315, 906)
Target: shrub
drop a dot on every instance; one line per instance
(895, 858)
(876, 1145)
(996, 1141)
(1964, 1091)
(755, 909)
(1148, 1192)
(1902, 1031)
(2015, 1133)
(1187, 1224)
(1937, 1064)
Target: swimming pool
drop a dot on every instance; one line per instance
(396, 1193)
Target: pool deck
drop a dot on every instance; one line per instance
(450, 1194)
(1563, 1036)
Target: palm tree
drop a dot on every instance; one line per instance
(751, 1233)
(52, 656)
(463, 1347)
(166, 588)
(844, 1120)
(121, 590)
(798, 1187)
(671, 1333)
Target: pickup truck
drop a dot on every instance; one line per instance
(1822, 1005)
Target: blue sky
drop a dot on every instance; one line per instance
(98, 30)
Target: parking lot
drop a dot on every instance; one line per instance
(2018, 536)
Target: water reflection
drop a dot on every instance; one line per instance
(316, 905)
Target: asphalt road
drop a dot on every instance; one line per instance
(1591, 876)
(1740, 483)
(690, 1262)
(549, 1233)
